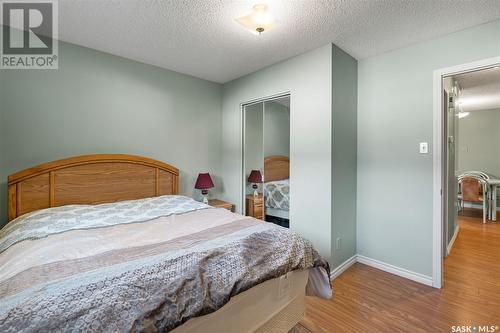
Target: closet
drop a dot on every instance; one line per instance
(266, 160)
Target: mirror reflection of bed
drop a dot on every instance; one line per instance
(277, 190)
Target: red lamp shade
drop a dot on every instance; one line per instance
(255, 177)
(204, 182)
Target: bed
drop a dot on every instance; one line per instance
(277, 189)
(106, 243)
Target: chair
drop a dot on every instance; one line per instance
(482, 176)
(474, 190)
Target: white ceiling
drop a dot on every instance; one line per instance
(201, 38)
(479, 90)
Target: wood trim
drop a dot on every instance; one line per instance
(88, 159)
(12, 201)
(157, 181)
(88, 179)
(276, 168)
(17, 199)
(51, 189)
(175, 185)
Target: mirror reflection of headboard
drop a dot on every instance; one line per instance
(89, 179)
(276, 168)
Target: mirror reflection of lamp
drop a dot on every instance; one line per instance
(204, 183)
(255, 178)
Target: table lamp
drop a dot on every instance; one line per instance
(255, 177)
(204, 183)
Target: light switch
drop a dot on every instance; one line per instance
(424, 147)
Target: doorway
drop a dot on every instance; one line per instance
(466, 154)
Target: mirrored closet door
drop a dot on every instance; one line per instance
(266, 160)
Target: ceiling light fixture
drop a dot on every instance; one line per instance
(462, 114)
(258, 21)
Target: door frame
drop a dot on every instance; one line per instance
(242, 131)
(438, 159)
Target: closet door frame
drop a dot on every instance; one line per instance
(269, 98)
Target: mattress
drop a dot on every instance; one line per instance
(273, 306)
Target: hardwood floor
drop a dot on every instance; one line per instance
(369, 300)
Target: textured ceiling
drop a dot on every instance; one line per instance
(201, 38)
(480, 90)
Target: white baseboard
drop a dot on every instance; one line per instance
(417, 277)
(452, 241)
(343, 267)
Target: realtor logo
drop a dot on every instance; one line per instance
(29, 35)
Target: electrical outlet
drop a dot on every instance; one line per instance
(338, 243)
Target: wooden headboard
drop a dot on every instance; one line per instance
(89, 179)
(276, 168)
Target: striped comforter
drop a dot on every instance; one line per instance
(143, 265)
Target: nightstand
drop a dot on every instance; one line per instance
(255, 206)
(220, 204)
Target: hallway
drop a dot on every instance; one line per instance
(369, 300)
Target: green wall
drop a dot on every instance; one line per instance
(100, 103)
(394, 191)
(479, 142)
(344, 147)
